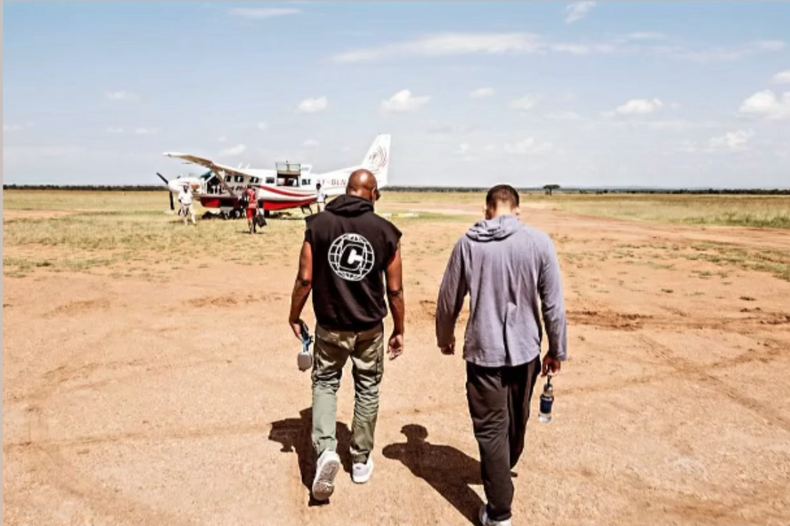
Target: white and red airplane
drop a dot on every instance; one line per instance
(288, 186)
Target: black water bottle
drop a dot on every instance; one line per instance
(546, 401)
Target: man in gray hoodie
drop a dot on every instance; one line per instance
(511, 272)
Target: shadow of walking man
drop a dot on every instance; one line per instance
(294, 435)
(448, 470)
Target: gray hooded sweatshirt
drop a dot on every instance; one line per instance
(510, 270)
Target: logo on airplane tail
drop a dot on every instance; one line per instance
(377, 159)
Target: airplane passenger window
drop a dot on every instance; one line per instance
(254, 180)
(228, 178)
(305, 182)
(239, 179)
(270, 180)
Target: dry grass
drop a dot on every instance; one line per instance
(131, 233)
(134, 233)
(736, 210)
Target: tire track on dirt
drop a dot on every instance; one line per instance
(692, 371)
(767, 355)
(630, 321)
(45, 459)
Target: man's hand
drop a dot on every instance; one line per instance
(296, 326)
(448, 349)
(395, 348)
(551, 366)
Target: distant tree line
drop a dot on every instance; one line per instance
(548, 189)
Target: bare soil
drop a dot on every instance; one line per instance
(140, 402)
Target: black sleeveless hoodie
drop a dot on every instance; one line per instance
(351, 249)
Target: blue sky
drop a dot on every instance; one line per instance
(473, 93)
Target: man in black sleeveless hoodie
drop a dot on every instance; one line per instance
(346, 251)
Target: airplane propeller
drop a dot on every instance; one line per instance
(162, 177)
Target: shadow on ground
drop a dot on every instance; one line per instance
(448, 471)
(294, 435)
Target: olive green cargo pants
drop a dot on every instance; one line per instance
(332, 350)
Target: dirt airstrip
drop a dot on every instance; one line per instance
(176, 402)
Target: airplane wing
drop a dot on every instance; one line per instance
(218, 169)
(207, 163)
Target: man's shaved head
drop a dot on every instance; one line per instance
(361, 180)
(362, 183)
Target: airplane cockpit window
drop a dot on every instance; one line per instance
(288, 181)
(228, 178)
(305, 182)
(238, 179)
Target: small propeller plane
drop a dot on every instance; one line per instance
(288, 186)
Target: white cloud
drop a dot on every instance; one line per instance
(524, 103)
(233, 151)
(313, 105)
(645, 35)
(464, 147)
(577, 11)
(647, 42)
(583, 49)
(263, 126)
(719, 53)
(444, 44)
(768, 105)
(145, 131)
(310, 143)
(16, 127)
(489, 147)
(114, 130)
(564, 116)
(121, 95)
(783, 77)
(263, 12)
(732, 141)
(639, 107)
(403, 102)
(447, 129)
(770, 45)
(481, 93)
(688, 146)
(528, 147)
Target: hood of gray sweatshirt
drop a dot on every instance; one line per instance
(494, 229)
(511, 273)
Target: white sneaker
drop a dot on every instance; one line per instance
(360, 473)
(326, 468)
(485, 521)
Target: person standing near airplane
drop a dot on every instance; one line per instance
(346, 251)
(252, 207)
(511, 272)
(321, 198)
(185, 198)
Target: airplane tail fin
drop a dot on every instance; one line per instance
(377, 160)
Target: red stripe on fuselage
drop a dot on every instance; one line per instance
(282, 192)
(282, 205)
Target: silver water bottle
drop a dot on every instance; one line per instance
(305, 358)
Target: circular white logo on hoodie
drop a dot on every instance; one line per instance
(351, 257)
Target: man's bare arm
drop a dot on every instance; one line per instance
(397, 303)
(302, 288)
